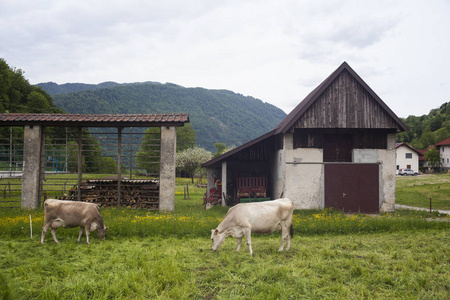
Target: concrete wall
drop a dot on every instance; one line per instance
(298, 174)
(301, 177)
(277, 165)
(304, 181)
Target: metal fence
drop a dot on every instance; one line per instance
(109, 166)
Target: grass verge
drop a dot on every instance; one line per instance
(152, 255)
(417, 191)
(400, 265)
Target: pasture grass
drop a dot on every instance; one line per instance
(417, 191)
(153, 255)
(401, 265)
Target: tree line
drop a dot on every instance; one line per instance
(427, 130)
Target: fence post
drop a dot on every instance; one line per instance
(187, 190)
(430, 205)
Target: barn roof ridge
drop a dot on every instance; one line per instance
(301, 108)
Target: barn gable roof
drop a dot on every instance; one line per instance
(356, 111)
(297, 115)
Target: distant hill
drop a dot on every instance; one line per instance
(427, 130)
(54, 89)
(216, 115)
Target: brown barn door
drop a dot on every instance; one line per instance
(352, 187)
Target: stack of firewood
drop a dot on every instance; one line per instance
(133, 193)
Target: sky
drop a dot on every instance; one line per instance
(277, 51)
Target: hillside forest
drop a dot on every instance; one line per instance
(427, 130)
(216, 115)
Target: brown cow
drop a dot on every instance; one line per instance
(68, 214)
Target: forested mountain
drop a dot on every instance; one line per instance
(216, 115)
(427, 130)
(53, 88)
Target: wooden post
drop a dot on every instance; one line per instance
(187, 190)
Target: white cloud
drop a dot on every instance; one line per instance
(277, 51)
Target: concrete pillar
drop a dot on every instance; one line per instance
(224, 182)
(31, 166)
(167, 168)
(387, 175)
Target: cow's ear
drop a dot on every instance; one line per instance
(216, 231)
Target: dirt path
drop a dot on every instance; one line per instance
(421, 208)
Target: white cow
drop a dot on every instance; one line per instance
(68, 214)
(260, 217)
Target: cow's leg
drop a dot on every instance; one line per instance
(88, 231)
(248, 239)
(53, 230)
(288, 242)
(54, 225)
(80, 234)
(288, 237)
(285, 237)
(239, 240)
(44, 232)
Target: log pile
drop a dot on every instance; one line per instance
(133, 193)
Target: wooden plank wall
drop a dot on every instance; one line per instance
(345, 104)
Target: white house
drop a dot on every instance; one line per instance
(444, 150)
(407, 157)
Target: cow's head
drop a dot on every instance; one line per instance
(101, 232)
(217, 239)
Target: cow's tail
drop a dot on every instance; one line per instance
(291, 230)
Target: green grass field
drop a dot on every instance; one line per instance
(417, 191)
(152, 255)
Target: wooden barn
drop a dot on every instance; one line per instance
(335, 149)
